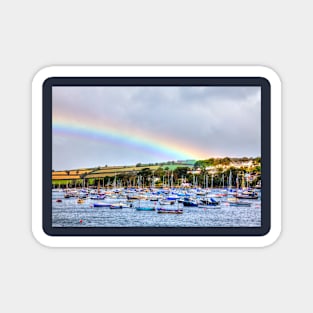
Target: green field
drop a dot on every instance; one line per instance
(108, 171)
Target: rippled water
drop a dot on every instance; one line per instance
(69, 213)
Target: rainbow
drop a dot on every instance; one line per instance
(104, 132)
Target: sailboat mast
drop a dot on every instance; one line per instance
(243, 181)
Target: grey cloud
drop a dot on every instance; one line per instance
(225, 120)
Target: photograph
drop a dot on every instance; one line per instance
(156, 156)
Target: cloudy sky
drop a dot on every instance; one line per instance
(95, 126)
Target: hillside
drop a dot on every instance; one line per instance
(112, 171)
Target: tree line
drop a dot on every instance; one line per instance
(146, 177)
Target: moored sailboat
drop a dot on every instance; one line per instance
(238, 203)
(209, 203)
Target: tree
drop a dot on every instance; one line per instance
(180, 171)
(145, 172)
(159, 172)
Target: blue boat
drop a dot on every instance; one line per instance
(190, 202)
(102, 205)
(172, 197)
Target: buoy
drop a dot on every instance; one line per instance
(80, 221)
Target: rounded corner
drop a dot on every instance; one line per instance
(41, 237)
(42, 75)
(271, 237)
(269, 74)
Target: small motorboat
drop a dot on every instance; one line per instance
(102, 205)
(243, 196)
(119, 205)
(169, 211)
(80, 201)
(247, 194)
(145, 208)
(58, 200)
(167, 202)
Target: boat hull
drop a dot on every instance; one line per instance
(189, 203)
(209, 206)
(240, 204)
(102, 205)
(169, 211)
(247, 197)
(145, 209)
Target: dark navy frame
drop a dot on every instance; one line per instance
(157, 231)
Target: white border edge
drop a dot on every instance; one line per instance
(189, 241)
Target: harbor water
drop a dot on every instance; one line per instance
(67, 212)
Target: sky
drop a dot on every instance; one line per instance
(98, 126)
